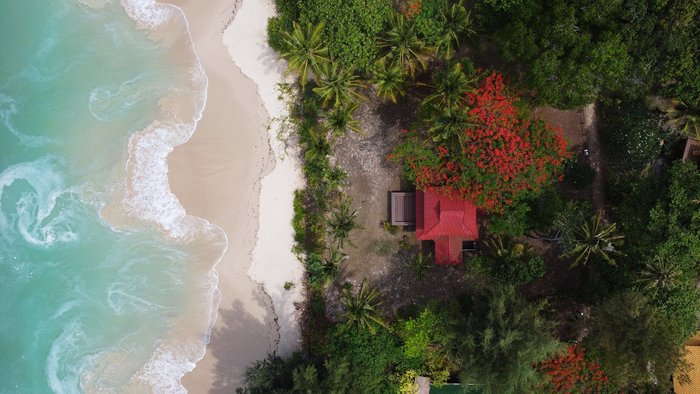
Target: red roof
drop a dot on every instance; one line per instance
(446, 220)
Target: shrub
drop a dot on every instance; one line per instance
(429, 23)
(372, 357)
(352, 27)
(578, 173)
(512, 222)
(517, 272)
(632, 136)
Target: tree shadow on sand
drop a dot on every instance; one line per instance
(235, 342)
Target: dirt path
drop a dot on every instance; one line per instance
(591, 126)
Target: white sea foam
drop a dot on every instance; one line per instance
(8, 109)
(109, 102)
(147, 196)
(149, 14)
(35, 213)
(63, 377)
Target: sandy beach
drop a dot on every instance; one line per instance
(218, 176)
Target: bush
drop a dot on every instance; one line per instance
(275, 34)
(352, 27)
(372, 357)
(517, 272)
(544, 206)
(512, 222)
(632, 136)
(578, 173)
(428, 22)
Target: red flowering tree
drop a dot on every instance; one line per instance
(572, 373)
(503, 153)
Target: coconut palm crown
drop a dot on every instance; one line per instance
(306, 51)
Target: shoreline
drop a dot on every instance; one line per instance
(273, 263)
(226, 174)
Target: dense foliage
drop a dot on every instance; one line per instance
(504, 152)
(634, 342)
(351, 27)
(572, 372)
(662, 219)
(578, 51)
(632, 136)
(501, 338)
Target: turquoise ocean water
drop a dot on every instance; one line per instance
(105, 284)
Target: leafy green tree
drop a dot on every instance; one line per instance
(337, 378)
(684, 116)
(389, 79)
(402, 45)
(593, 238)
(342, 222)
(340, 120)
(634, 343)
(272, 375)
(498, 339)
(631, 135)
(373, 358)
(338, 85)
(362, 309)
(352, 27)
(306, 51)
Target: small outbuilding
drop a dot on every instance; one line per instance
(449, 221)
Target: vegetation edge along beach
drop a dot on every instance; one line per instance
(569, 127)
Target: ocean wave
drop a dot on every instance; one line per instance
(147, 196)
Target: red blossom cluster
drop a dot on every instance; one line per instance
(411, 8)
(504, 154)
(571, 373)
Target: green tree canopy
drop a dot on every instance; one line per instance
(634, 342)
(497, 338)
(578, 50)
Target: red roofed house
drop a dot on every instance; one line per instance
(449, 221)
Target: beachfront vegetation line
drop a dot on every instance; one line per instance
(551, 300)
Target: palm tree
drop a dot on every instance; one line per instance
(402, 45)
(335, 178)
(659, 275)
(338, 84)
(450, 89)
(684, 117)
(306, 51)
(389, 79)
(331, 264)
(448, 125)
(362, 308)
(593, 237)
(317, 145)
(421, 263)
(457, 24)
(340, 120)
(342, 222)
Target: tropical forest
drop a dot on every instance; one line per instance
(571, 126)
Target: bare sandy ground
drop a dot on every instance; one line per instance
(218, 175)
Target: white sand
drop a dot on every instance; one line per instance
(273, 260)
(218, 176)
